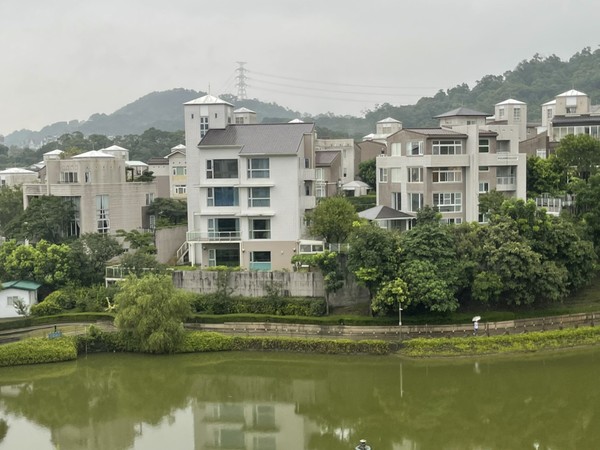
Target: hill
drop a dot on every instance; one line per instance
(533, 81)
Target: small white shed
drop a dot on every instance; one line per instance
(15, 290)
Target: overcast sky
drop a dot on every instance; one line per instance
(67, 59)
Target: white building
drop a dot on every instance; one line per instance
(12, 292)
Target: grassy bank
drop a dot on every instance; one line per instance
(38, 351)
(518, 343)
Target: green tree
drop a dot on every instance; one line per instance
(151, 312)
(545, 175)
(169, 211)
(11, 208)
(391, 294)
(581, 152)
(332, 219)
(367, 172)
(142, 242)
(91, 253)
(47, 217)
(333, 274)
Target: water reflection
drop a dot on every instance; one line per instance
(289, 402)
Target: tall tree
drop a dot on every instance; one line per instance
(367, 172)
(48, 218)
(581, 152)
(332, 219)
(11, 207)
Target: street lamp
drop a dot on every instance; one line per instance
(399, 315)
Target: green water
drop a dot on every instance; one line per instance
(269, 401)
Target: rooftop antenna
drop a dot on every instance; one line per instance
(241, 80)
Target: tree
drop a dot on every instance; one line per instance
(332, 219)
(169, 211)
(142, 242)
(11, 207)
(391, 293)
(90, 253)
(582, 152)
(333, 275)
(47, 217)
(367, 172)
(151, 312)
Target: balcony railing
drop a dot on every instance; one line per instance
(260, 266)
(506, 183)
(214, 236)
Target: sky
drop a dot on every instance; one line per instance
(68, 59)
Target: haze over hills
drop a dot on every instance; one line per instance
(533, 81)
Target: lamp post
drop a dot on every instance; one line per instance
(399, 315)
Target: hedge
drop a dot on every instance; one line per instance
(325, 320)
(281, 306)
(37, 351)
(517, 343)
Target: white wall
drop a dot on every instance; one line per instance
(29, 297)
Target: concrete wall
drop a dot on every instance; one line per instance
(168, 241)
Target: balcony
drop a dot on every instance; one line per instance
(213, 236)
(260, 266)
(308, 202)
(308, 174)
(506, 183)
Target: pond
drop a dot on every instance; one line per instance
(276, 401)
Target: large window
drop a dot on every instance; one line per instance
(102, 214)
(397, 200)
(447, 147)
(260, 260)
(260, 229)
(222, 168)
(203, 125)
(415, 174)
(258, 168)
(222, 196)
(414, 148)
(484, 145)
(259, 197)
(396, 175)
(484, 187)
(180, 189)
(396, 149)
(448, 201)
(415, 201)
(68, 177)
(179, 170)
(383, 175)
(224, 229)
(447, 174)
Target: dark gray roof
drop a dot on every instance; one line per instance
(434, 132)
(575, 120)
(461, 112)
(272, 138)
(384, 213)
(325, 158)
(157, 160)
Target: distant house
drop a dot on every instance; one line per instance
(12, 291)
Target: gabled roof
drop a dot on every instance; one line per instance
(243, 110)
(384, 213)
(94, 154)
(15, 170)
(356, 184)
(54, 152)
(326, 157)
(179, 147)
(271, 138)
(389, 120)
(551, 102)
(443, 132)
(296, 121)
(572, 93)
(511, 101)
(115, 147)
(136, 164)
(461, 112)
(158, 161)
(21, 284)
(208, 100)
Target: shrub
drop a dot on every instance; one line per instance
(282, 306)
(48, 307)
(37, 351)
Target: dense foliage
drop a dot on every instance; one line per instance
(332, 219)
(37, 351)
(281, 306)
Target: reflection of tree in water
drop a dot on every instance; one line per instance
(3, 429)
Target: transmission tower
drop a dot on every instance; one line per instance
(241, 80)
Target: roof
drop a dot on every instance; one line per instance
(584, 119)
(325, 158)
(158, 161)
(272, 138)
(94, 154)
(15, 170)
(551, 102)
(461, 112)
(356, 184)
(384, 213)
(572, 93)
(115, 147)
(135, 163)
(243, 110)
(511, 101)
(389, 120)
(54, 152)
(443, 132)
(21, 284)
(296, 121)
(179, 147)
(208, 100)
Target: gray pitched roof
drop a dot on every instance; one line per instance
(384, 212)
(325, 158)
(273, 138)
(461, 112)
(436, 132)
(584, 119)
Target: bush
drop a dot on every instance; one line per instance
(306, 345)
(48, 307)
(37, 351)
(279, 306)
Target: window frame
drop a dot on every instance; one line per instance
(257, 201)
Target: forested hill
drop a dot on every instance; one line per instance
(533, 81)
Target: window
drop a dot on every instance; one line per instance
(179, 170)
(224, 229)
(397, 201)
(203, 126)
(264, 443)
(258, 168)
(320, 189)
(500, 113)
(307, 163)
(571, 109)
(414, 148)
(221, 168)
(260, 229)
(415, 201)
(541, 153)
(396, 149)
(68, 177)
(549, 114)
(180, 189)
(517, 113)
(452, 220)
(383, 175)
(395, 175)
(259, 197)
(102, 214)
(506, 175)
(12, 300)
(484, 145)
(448, 201)
(149, 198)
(87, 176)
(484, 168)
(319, 174)
(74, 225)
(415, 174)
(239, 120)
(260, 260)
(484, 187)
(447, 147)
(447, 175)
(222, 196)
(152, 222)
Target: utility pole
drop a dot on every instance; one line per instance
(241, 80)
